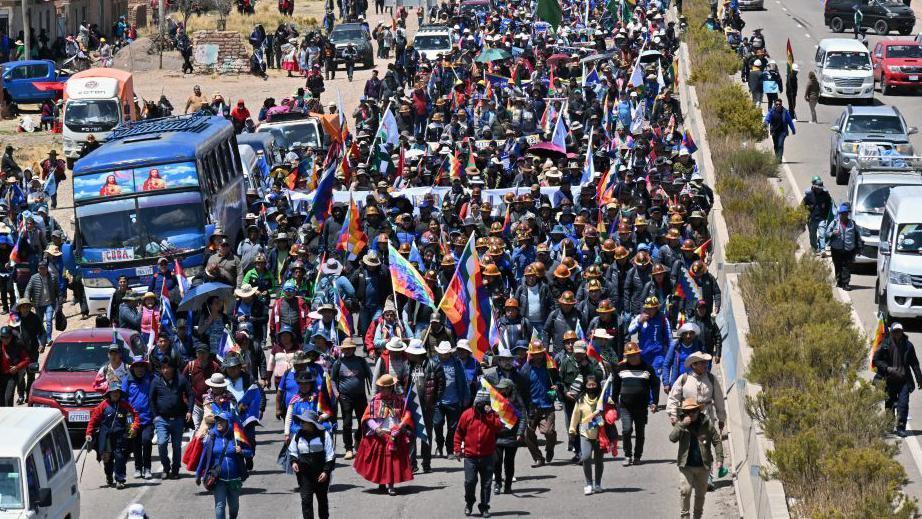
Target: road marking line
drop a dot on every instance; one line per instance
(914, 449)
(137, 499)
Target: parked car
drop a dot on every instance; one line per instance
(358, 35)
(752, 5)
(844, 70)
(32, 81)
(880, 126)
(881, 15)
(898, 290)
(66, 380)
(868, 192)
(897, 63)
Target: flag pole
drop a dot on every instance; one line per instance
(378, 132)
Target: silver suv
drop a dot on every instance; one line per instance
(880, 126)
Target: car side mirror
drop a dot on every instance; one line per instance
(913, 130)
(883, 248)
(834, 129)
(44, 497)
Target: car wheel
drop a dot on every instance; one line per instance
(842, 175)
(881, 27)
(70, 163)
(885, 88)
(905, 31)
(882, 307)
(877, 292)
(833, 169)
(837, 24)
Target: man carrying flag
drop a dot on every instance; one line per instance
(466, 303)
(507, 402)
(898, 366)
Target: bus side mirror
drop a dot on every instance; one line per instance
(883, 248)
(44, 497)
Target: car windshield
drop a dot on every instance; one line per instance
(904, 51)
(144, 227)
(77, 356)
(289, 135)
(872, 198)
(848, 61)
(432, 41)
(909, 238)
(10, 484)
(347, 35)
(888, 124)
(91, 115)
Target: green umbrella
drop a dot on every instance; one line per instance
(492, 55)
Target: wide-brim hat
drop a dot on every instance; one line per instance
(386, 381)
(53, 250)
(567, 298)
(309, 416)
(689, 327)
(444, 347)
(690, 404)
(245, 290)
(395, 344)
(631, 348)
(602, 333)
(698, 356)
(415, 347)
(217, 380)
(464, 344)
(332, 267)
(371, 259)
(22, 301)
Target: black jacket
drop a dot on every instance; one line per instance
(171, 399)
(896, 362)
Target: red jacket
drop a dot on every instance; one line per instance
(13, 355)
(100, 411)
(478, 433)
(275, 324)
(198, 374)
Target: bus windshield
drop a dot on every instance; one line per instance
(143, 227)
(96, 115)
(10, 484)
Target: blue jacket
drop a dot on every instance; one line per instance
(540, 381)
(653, 337)
(138, 392)
(674, 362)
(219, 451)
(457, 385)
(779, 123)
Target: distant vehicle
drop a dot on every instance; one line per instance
(294, 130)
(897, 63)
(32, 81)
(65, 381)
(95, 101)
(263, 144)
(432, 40)
(38, 473)
(478, 9)
(156, 187)
(898, 291)
(868, 192)
(857, 126)
(358, 35)
(881, 15)
(751, 5)
(843, 68)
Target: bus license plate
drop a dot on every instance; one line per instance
(144, 271)
(78, 416)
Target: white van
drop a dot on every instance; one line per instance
(843, 68)
(868, 192)
(899, 271)
(38, 478)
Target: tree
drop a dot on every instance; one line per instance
(223, 7)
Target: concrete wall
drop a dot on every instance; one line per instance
(756, 497)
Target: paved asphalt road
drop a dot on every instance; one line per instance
(807, 154)
(648, 490)
(555, 490)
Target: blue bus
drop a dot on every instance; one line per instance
(156, 187)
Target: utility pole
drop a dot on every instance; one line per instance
(26, 30)
(161, 28)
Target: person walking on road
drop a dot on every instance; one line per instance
(779, 121)
(858, 17)
(475, 443)
(222, 466)
(312, 460)
(791, 85)
(755, 82)
(584, 426)
(819, 204)
(844, 243)
(897, 365)
(542, 383)
(636, 390)
(137, 389)
(699, 444)
(113, 424)
(171, 402)
(352, 377)
(812, 94)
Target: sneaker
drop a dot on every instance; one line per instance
(349, 455)
(636, 460)
(507, 489)
(902, 433)
(549, 456)
(120, 485)
(587, 490)
(440, 453)
(391, 491)
(138, 474)
(575, 458)
(627, 461)
(537, 463)
(497, 489)
(427, 470)
(148, 474)
(597, 488)
(165, 475)
(468, 510)
(109, 481)
(484, 512)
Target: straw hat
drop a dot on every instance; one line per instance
(217, 380)
(395, 344)
(443, 348)
(689, 404)
(386, 381)
(245, 290)
(697, 356)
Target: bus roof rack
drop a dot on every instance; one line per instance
(192, 123)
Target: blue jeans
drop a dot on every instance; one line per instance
(47, 313)
(169, 431)
(226, 498)
(898, 399)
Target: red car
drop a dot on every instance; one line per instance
(66, 379)
(897, 63)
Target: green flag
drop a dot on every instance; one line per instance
(549, 11)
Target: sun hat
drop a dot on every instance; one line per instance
(217, 380)
(697, 356)
(443, 347)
